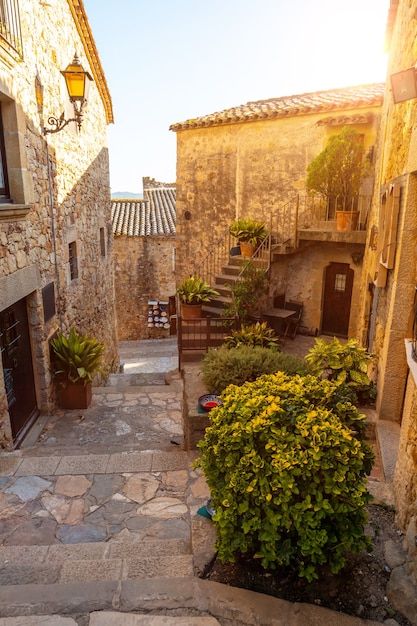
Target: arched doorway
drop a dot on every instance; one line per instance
(338, 284)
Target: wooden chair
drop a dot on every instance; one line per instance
(294, 321)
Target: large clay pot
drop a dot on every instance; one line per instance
(76, 396)
(191, 311)
(247, 249)
(347, 220)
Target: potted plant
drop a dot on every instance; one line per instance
(336, 175)
(75, 360)
(249, 233)
(192, 292)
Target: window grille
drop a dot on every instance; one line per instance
(10, 25)
(73, 261)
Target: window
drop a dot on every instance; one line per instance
(340, 282)
(48, 300)
(102, 242)
(4, 181)
(10, 33)
(73, 260)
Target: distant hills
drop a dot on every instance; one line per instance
(126, 194)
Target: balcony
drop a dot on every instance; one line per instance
(10, 32)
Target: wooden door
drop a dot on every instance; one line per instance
(16, 357)
(338, 284)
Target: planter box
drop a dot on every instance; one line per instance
(76, 396)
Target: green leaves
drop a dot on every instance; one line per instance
(346, 363)
(76, 357)
(194, 290)
(286, 473)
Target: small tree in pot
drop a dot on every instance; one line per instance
(336, 173)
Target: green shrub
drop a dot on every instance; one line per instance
(286, 475)
(345, 363)
(248, 293)
(224, 366)
(257, 334)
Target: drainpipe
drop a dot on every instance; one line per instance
(53, 226)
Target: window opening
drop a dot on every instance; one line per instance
(4, 181)
(102, 242)
(73, 261)
(340, 282)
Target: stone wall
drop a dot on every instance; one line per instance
(144, 270)
(387, 308)
(34, 236)
(248, 169)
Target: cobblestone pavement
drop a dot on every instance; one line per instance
(98, 512)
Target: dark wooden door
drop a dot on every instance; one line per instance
(338, 285)
(16, 357)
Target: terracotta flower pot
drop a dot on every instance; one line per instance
(76, 396)
(347, 220)
(191, 311)
(247, 249)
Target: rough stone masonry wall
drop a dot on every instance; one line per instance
(35, 89)
(144, 270)
(393, 304)
(249, 169)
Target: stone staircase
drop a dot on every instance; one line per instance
(100, 512)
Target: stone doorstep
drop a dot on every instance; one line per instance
(388, 438)
(164, 595)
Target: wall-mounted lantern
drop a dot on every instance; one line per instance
(404, 85)
(77, 81)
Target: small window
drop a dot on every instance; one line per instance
(48, 299)
(73, 260)
(340, 282)
(4, 181)
(102, 242)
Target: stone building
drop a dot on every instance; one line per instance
(388, 295)
(144, 253)
(251, 161)
(56, 243)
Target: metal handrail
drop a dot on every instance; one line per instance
(10, 25)
(217, 256)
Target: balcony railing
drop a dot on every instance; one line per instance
(10, 32)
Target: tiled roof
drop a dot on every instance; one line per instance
(287, 106)
(154, 215)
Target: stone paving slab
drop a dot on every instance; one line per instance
(111, 618)
(39, 620)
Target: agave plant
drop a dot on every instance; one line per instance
(194, 290)
(76, 357)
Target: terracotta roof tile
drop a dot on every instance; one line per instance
(154, 215)
(307, 103)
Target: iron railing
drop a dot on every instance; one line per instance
(10, 25)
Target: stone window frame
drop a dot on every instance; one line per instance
(19, 176)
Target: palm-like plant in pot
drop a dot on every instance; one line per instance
(75, 360)
(250, 233)
(192, 292)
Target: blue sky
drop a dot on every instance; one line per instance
(169, 60)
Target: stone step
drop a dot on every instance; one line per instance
(63, 566)
(136, 380)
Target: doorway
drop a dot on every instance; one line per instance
(338, 285)
(16, 356)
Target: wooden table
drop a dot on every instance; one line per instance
(281, 314)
